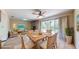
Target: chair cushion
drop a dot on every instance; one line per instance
(43, 44)
(27, 42)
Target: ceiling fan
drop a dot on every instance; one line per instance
(39, 13)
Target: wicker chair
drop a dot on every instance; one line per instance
(12, 43)
(52, 42)
(43, 43)
(27, 42)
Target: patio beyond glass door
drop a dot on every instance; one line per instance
(52, 25)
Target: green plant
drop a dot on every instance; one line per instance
(69, 31)
(29, 27)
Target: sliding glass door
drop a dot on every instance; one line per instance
(43, 26)
(52, 25)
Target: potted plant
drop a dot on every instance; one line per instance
(69, 34)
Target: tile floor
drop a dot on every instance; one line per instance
(63, 45)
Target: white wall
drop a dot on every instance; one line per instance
(4, 25)
(76, 32)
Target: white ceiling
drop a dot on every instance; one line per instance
(27, 13)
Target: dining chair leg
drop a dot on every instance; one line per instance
(0, 44)
(23, 46)
(56, 45)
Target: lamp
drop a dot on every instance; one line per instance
(14, 26)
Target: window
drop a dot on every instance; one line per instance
(50, 25)
(43, 26)
(55, 25)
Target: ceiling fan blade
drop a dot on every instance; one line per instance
(35, 13)
(38, 16)
(44, 12)
(38, 10)
(43, 15)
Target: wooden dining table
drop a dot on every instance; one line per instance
(36, 37)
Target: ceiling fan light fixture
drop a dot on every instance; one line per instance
(40, 17)
(25, 19)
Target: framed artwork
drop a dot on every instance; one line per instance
(21, 27)
(77, 19)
